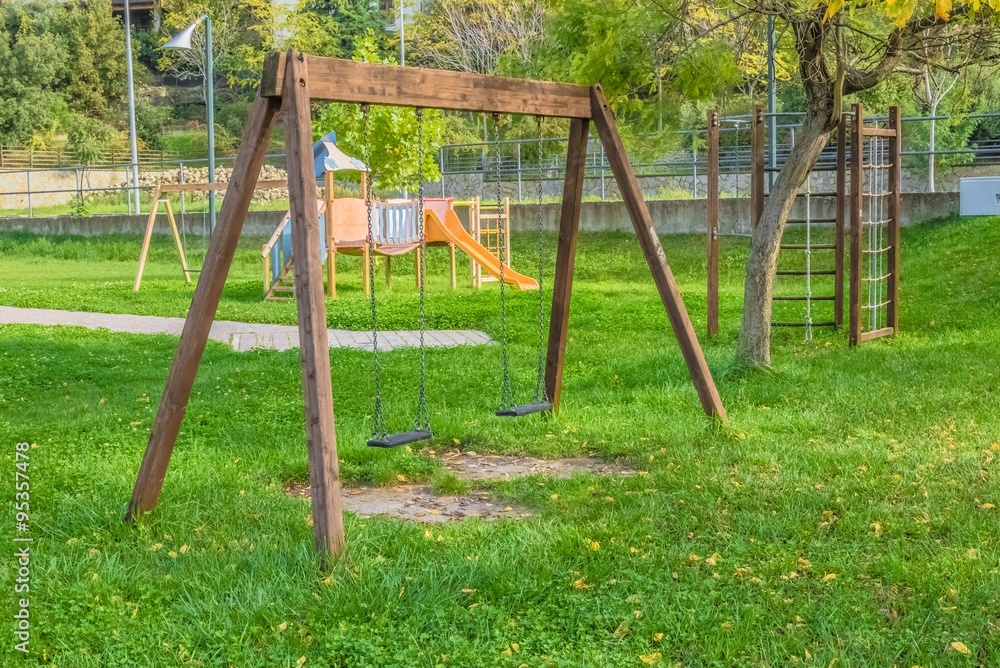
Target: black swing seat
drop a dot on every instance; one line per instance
(525, 409)
(402, 438)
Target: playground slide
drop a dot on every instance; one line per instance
(452, 230)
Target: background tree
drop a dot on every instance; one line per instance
(242, 34)
(476, 35)
(59, 62)
(335, 28)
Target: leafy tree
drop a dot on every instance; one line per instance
(336, 28)
(57, 58)
(392, 133)
(477, 35)
(242, 34)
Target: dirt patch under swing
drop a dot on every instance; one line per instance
(419, 503)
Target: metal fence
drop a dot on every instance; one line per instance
(31, 180)
(522, 163)
(74, 185)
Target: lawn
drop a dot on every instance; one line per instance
(846, 516)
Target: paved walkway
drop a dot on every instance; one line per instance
(242, 336)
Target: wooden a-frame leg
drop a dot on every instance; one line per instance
(701, 376)
(569, 228)
(314, 344)
(211, 281)
(146, 240)
(177, 241)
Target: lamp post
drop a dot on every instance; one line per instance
(134, 167)
(182, 40)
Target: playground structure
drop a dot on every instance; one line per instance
(394, 232)
(159, 200)
(813, 242)
(289, 82)
(876, 160)
(488, 224)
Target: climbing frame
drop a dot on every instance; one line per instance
(875, 207)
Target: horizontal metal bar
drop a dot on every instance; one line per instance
(797, 298)
(803, 324)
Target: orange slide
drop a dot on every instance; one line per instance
(451, 230)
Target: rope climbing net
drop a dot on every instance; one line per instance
(875, 221)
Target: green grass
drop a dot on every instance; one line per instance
(872, 465)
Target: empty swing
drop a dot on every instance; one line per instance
(421, 431)
(540, 401)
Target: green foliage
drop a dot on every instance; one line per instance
(336, 28)
(392, 131)
(58, 57)
(242, 34)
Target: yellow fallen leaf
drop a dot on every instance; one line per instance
(987, 506)
(300, 661)
(553, 496)
(401, 478)
(960, 647)
(282, 626)
(432, 511)
(650, 659)
(829, 576)
(580, 584)
(658, 637)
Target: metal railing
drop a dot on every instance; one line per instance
(676, 172)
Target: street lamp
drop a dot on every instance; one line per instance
(134, 166)
(182, 40)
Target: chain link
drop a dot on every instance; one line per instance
(540, 393)
(506, 392)
(378, 414)
(423, 419)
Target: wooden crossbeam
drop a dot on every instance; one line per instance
(336, 80)
(218, 185)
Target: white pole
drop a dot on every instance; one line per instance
(402, 34)
(131, 108)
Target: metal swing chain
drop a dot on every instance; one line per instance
(378, 414)
(423, 418)
(540, 394)
(506, 392)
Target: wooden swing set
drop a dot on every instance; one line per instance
(290, 81)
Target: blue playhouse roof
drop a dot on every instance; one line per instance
(329, 158)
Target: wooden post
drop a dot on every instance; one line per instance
(454, 277)
(857, 181)
(655, 257)
(314, 344)
(331, 265)
(895, 181)
(841, 186)
(146, 240)
(253, 148)
(177, 239)
(757, 177)
(712, 174)
(569, 228)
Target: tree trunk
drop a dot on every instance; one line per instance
(822, 117)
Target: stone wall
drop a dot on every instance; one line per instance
(52, 179)
(671, 217)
